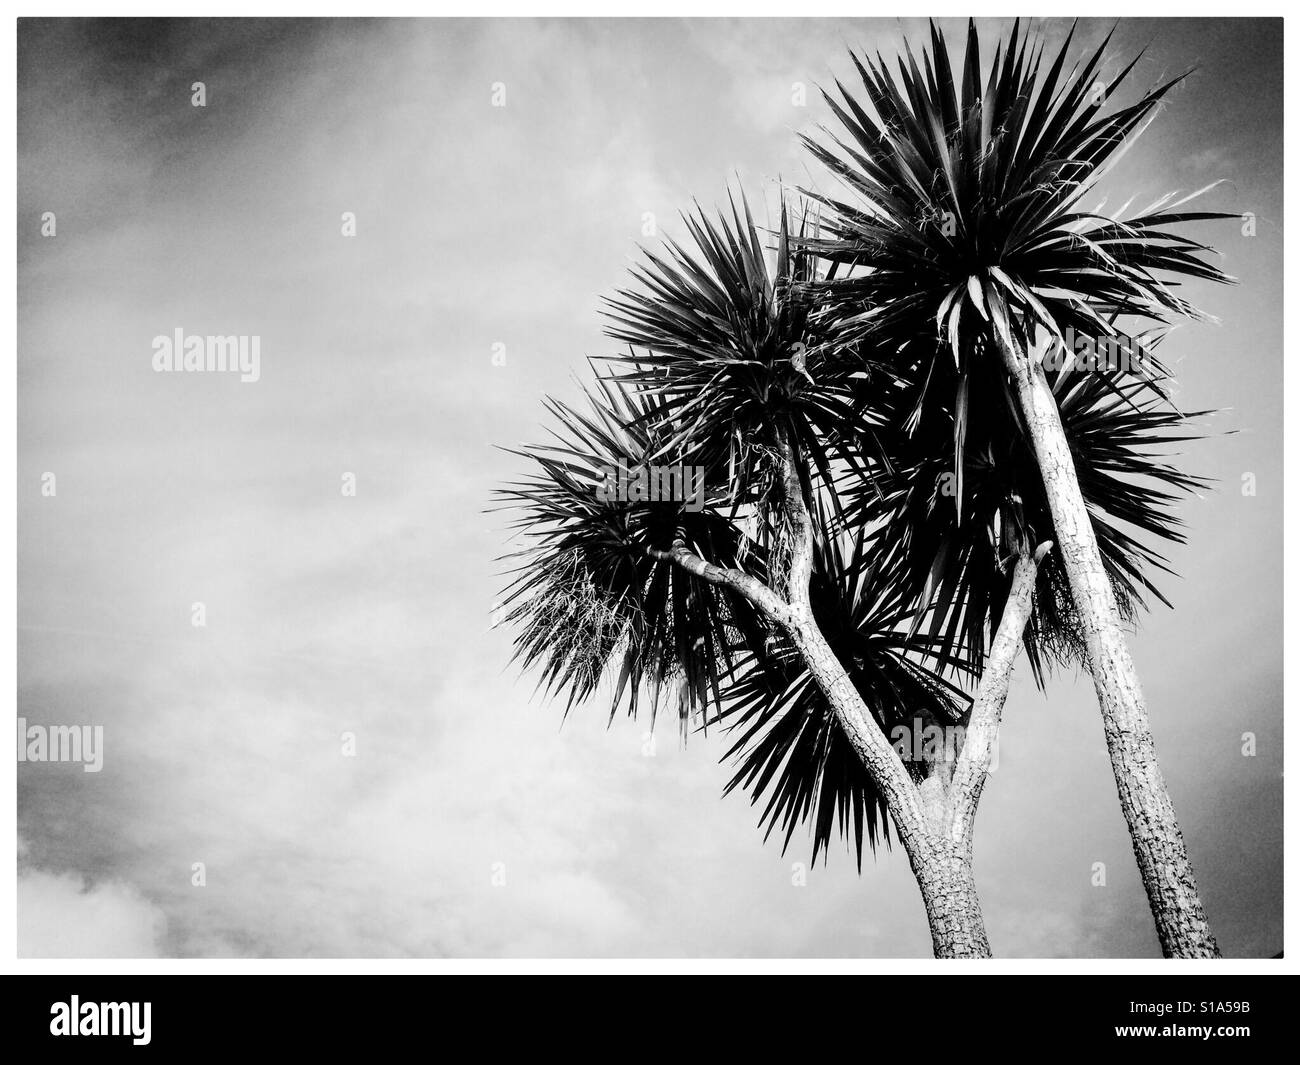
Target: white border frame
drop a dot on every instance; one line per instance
(658, 966)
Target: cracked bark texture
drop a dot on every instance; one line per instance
(1158, 843)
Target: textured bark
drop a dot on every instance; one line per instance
(1144, 798)
(947, 881)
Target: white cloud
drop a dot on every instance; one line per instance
(62, 916)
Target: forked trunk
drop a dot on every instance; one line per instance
(940, 858)
(934, 825)
(942, 868)
(1157, 840)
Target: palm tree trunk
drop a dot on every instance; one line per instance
(937, 841)
(1144, 798)
(946, 874)
(942, 867)
(947, 881)
(935, 827)
(976, 758)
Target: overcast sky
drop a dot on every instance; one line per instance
(327, 614)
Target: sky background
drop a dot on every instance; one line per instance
(480, 226)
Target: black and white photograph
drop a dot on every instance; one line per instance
(648, 491)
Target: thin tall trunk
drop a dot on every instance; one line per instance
(954, 797)
(1148, 810)
(976, 758)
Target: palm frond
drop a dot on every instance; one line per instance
(967, 198)
(587, 597)
(720, 334)
(954, 539)
(963, 232)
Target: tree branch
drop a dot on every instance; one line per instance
(878, 756)
(758, 593)
(976, 755)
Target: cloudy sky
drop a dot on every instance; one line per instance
(326, 614)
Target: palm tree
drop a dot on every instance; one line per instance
(964, 250)
(722, 599)
(785, 604)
